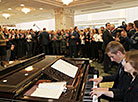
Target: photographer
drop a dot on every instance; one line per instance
(130, 30)
(123, 41)
(121, 36)
(133, 41)
(119, 29)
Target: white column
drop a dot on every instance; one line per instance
(64, 18)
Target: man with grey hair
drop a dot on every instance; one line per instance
(107, 37)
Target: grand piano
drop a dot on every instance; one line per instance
(17, 83)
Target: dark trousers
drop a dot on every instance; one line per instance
(29, 49)
(73, 48)
(82, 48)
(45, 49)
(107, 63)
(87, 50)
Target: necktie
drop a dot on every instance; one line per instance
(121, 69)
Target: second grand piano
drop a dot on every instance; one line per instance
(16, 86)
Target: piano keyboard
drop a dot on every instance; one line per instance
(94, 86)
(89, 85)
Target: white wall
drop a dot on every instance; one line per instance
(114, 16)
(99, 18)
(48, 24)
(132, 14)
(101, 15)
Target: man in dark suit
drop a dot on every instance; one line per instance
(130, 30)
(107, 37)
(130, 33)
(44, 41)
(73, 38)
(133, 41)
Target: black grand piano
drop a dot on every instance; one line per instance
(17, 83)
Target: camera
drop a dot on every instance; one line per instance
(121, 28)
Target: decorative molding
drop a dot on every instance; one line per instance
(7, 25)
(82, 2)
(51, 2)
(100, 21)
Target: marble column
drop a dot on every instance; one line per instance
(64, 18)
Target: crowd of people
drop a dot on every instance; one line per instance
(19, 44)
(89, 43)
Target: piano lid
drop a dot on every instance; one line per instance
(17, 80)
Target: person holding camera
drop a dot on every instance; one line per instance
(133, 41)
(130, 30)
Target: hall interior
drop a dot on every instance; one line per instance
(23, 14)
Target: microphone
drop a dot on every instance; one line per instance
(36, 26)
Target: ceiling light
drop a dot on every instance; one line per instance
(6, 15)
(67, 1)
(22, 5)
(9, 8)
(41, 8)
(25, 10)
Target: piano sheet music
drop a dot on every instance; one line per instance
(65, 68)
(49, 90)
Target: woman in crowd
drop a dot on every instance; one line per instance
(131, 93)
(13, 49)
(62, 38)
(2, 47)
(29, 44)
(82, 43)
(87, 33)
(100, 43)
(95, 44)
(7, 36)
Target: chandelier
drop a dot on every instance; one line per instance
(25, 10)
(67, 1)
(6, 15)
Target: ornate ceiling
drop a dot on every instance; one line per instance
(79, 6)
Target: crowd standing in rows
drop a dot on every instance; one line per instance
(88, 43)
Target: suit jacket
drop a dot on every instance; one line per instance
(87, 37)
(44, 38)
(107, 37)
(124, 43)
(2, 41)
(121, 79)
(130, 94)
(133, 41)
(131, 32)
(75, 39)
